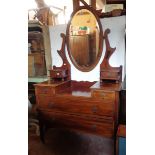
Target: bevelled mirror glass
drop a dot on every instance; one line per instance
(84, 39)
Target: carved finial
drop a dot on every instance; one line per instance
(62, 35)
(107, 31)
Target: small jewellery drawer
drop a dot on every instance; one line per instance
(100, 108)
(56, 74)
(103, 95)
(76, 122)
(109, 74)
(44, 90)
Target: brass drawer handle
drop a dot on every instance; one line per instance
(94, 109)
(94, 127)
(51, 105)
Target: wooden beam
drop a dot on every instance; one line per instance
(100, 4)
(117, 2)
(40, 3)
(114, 13)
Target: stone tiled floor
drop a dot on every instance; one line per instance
(63, 142)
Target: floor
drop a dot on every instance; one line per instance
(63, 142)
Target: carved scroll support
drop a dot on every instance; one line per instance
(113, 13)
(62, 53)
(107, 72)
(109, 50)
(62, 72)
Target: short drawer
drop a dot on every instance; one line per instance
(70, 121)
(58, 73)
(92, 107)
(103, 95)
(44, 90)
(109, 74)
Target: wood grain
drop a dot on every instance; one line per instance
(95, 113)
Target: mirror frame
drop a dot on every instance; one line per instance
(91, 67)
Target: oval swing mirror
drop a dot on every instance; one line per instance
(84, 39)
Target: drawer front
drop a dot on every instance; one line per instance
(63, 120)
(90, 106)
(109, 74)
(58, 74)
(44, 90)
(103, 95)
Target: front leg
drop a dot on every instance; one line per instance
(115, 146)
(42, 131)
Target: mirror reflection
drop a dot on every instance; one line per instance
(84, 35)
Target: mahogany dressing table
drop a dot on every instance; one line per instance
(84, 106)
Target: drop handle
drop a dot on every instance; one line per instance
(50, 105)
(94, 109)
(94, 127)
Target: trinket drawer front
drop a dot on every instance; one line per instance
(78, 107)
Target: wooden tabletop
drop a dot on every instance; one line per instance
(107, 86)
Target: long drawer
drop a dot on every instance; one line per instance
(103, 95)
(77, 105)
(57, 119)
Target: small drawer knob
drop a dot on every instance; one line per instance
(58, 73)
(50, 105)
(94, 109)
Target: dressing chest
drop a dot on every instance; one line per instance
(84, 106)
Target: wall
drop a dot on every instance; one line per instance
(116, 37)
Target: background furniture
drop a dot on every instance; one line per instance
(31, 89)
(36, 55)
(121, 140)
(33, 122)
